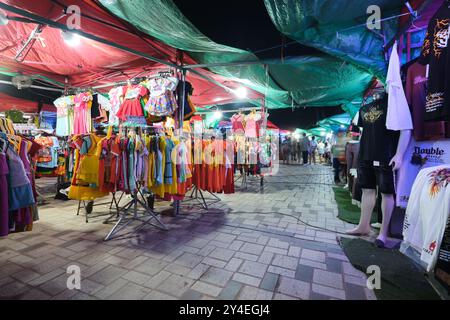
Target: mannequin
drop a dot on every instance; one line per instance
(369, 195)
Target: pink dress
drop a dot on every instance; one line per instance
(250, 127)
(82, 113)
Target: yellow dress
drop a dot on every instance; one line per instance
(85, 180)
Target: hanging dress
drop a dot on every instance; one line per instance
(62, 116)
(82, 113)
(4, 209)
(85, 185)
(162, 100)
(115, 99)
(20, 191)
(131, 105)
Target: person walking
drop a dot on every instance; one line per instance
(286, 150)
(304, 148)
(312, 150)
(321, 151)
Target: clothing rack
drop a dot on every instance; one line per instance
(197, 194)
(230, 111)
(145, 215)
(122, 83)
(88, 211)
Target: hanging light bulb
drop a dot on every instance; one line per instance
(241, 92)
(3, 19)
(70, 38)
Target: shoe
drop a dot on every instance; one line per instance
(89, 207)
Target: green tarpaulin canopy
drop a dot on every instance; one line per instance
(305, 81)
(338, 28)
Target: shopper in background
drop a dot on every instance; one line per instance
(338, 154)
(294, 150)
(321, 151)
(304, 148)
(312, 150)
(327, 154)
(286, 150)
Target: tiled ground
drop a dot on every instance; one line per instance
(249, 246)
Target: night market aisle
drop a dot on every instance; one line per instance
(248, 246)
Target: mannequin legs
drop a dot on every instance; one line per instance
(368, 201)
(387, 207)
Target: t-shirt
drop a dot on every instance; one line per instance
(427, 212)
(377, 142)
(304, 144)
(432, 153)
(398, 114)
(416, 93)
(435, 53)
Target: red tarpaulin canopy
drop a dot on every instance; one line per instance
(11, 103)
(271, 125)
(93, 63)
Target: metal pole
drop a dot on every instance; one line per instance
(224, 64)
(33, 86)
(57, 25)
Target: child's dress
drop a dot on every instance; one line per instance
(82, 113)
(131, 105)
(115, 98)
(162, 100)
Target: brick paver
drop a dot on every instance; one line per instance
(249, 246)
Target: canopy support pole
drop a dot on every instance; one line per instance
(60, 26)
(33, 86)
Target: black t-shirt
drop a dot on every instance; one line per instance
(377, 142)
(435, 53)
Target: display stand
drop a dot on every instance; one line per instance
(198, 195)
(244, 183)
(111, 203)
(142, 214)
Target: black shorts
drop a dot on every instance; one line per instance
(369, 177)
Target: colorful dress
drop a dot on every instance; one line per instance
(131, 105)
(115, 98)
(63, 123)
(4, 215)
(82, 113)
(162, 100)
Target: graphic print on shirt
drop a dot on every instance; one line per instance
(373, 114)
(440, 36)
(439, 179)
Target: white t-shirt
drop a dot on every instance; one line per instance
(427, 213)
(398, 114)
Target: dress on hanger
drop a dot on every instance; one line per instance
(82, 113)
(115, 98)
(237, 122)
(162, 100)
(63, 125)
(4, 206)
(131, 105)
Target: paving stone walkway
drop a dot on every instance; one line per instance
(250, 245)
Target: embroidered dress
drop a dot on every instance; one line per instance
(162, 100)
(115, 99)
